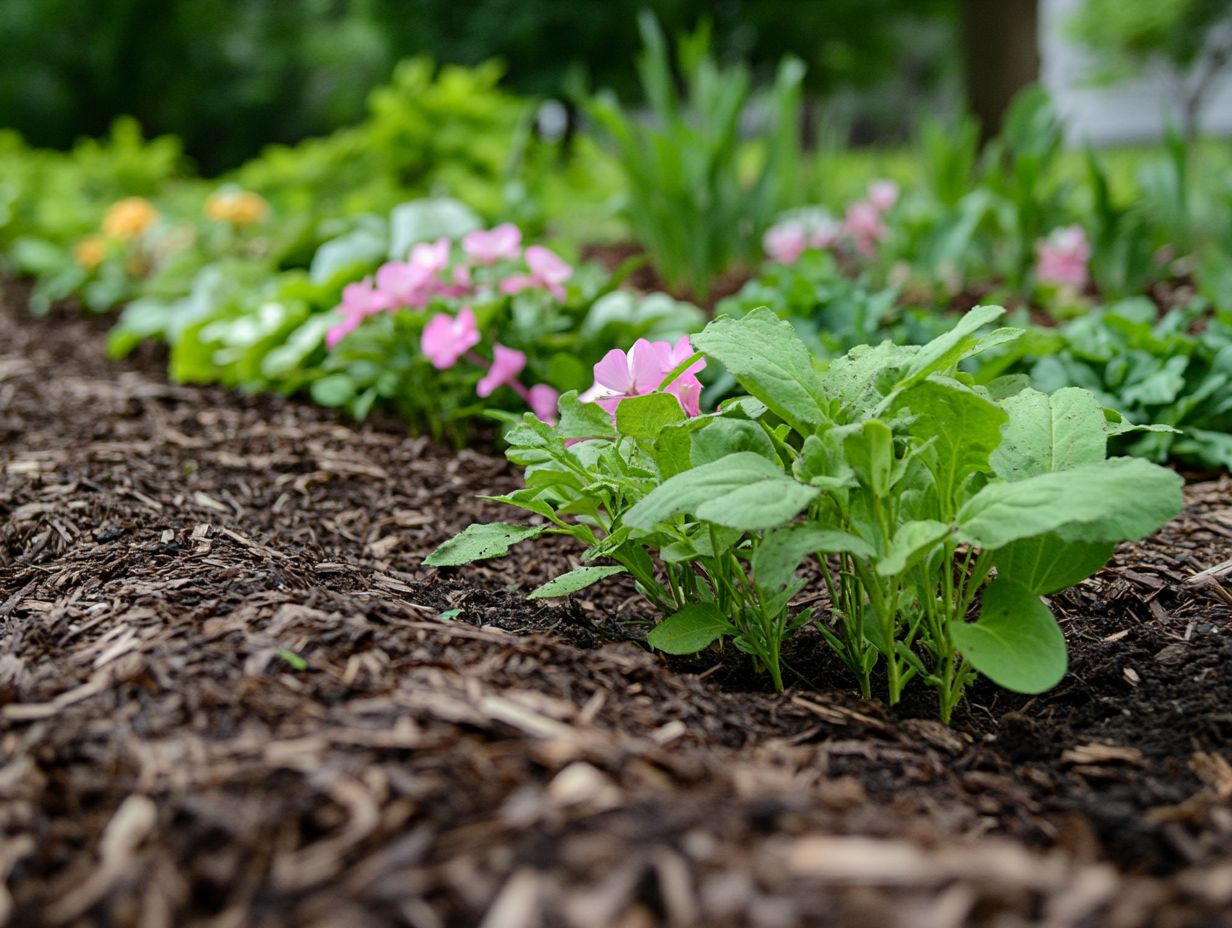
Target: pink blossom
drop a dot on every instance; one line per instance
(542, 401)
(1062, 258)
(431, 258)
(642, 370)
(547, 270)
(405, 283)
(785, 242)
(864, 224)
(502, 243)
(507, 363)
(359, 301)
(824, 233)
(445, 339)
(882, 194)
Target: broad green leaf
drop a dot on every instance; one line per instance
(672, 450)
(859, 380)
(944, 352)
(688, 631)
(1049, 564)
(723, 436)
(964, 428)
(583, 420)
(1016, 641)
(478, 541)
(1047, 433)
(576, 579)
(870, 451)
(333, 390)
(1121, 499)
(912, 542)
(780, 552)
(742, 490)
(646, 416)
(822, 463)
(766, 355)
(427, 220)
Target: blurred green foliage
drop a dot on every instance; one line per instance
(229, 76)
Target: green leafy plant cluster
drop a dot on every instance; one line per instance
(688, 201)
(931, 512)
(241, 325)
(1174, 369)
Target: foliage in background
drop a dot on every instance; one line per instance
(355, 341)
(281, 72)
(687, 201)
(1193, 38)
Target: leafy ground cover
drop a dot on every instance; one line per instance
(228, 694)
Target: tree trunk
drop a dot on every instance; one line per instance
(1001, 46)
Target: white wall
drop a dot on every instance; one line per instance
(1136, 110)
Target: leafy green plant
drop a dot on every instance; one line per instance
(688, 202)
(936, 513)
(1174, 369)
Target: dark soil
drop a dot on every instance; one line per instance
(230, 696)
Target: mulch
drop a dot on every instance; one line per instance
(230, 695)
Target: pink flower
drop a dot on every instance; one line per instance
(1062, 258)
(864, 224)
(824, 233)
(445, 339)
(507, 363)
(785, 242)
(359, 301)
(502, 243)
(642, 370)
(547, 270)
(542, 401)
(432, 258)
(882, 194)
(405, 283)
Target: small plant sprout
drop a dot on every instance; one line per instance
(931, 515)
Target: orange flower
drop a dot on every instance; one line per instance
(239, 208)
(128, 218)
(90, 252)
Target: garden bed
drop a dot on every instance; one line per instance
(228, 697)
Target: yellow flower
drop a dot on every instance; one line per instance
(239, 208)
(128, 218)
(90, 252)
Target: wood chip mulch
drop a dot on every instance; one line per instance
(228, 698)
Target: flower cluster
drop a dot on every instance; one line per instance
(1063, 257)
(125, 221)
(642, 370)
(492, 263)
(863, 226)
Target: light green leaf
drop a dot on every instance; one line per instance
(478, 541)
(944, 352)
(1016, 641)
(766, 355)
(646, 416)
(688, 631)
(576, 579)
(1050, 433)
(780, 552)
(583, 420)
(742, 490)
(870, 451)
(723, 436)
(965, 428)
(1121, 499)
(427, 220)
(912, 542)
(1048, 564)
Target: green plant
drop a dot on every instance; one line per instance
(904, 485)
(687, 201)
